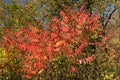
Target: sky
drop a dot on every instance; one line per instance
(8, 1)
(22, 1)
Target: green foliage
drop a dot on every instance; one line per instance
(104, 67)
(15, 14)
(10, 64)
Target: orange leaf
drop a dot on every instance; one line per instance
(59, 43)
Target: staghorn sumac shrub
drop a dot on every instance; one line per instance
(74, 37)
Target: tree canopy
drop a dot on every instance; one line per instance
(17, 12)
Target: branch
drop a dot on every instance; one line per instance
(109, 17)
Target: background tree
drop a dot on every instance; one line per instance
(17, 12)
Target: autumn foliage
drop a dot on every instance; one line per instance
(70, 37)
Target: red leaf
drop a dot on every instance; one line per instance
(73, 69)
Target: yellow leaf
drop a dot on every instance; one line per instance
(111, 75)
(59, 43)
(40, 71)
